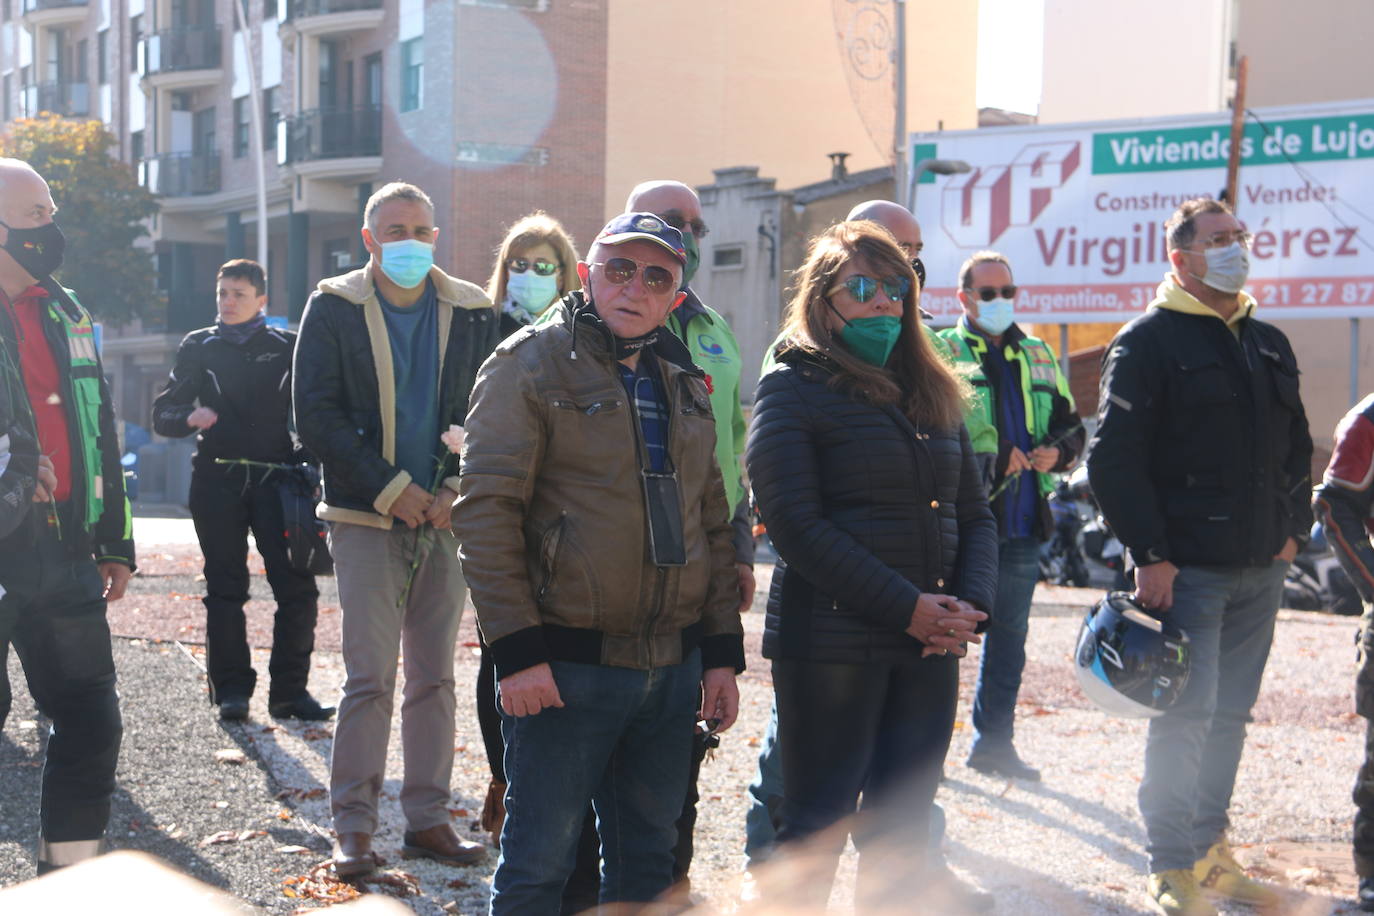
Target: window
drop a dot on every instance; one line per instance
(269, 10)
(243, 127)
(136, 146)
(203, 141)
(412, 74)
(9, 87)
(727, 256)
(372, 80)
(135, 37)
(271, 114)
(80, 63)
(102, 57)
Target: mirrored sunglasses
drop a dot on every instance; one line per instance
(620, 271)
(865, 288)
(542, 267)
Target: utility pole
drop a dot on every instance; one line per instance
(255, 122)
(899, 94)
(1237, 133)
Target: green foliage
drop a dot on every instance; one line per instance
(101, 209)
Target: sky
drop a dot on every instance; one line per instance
(1010, 51)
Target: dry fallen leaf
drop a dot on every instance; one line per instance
(230, 755)
(292, 850)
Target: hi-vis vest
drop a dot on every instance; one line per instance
(85, 393)
(1041, 380)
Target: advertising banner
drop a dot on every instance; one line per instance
(1079, 209)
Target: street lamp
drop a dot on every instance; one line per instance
(935, 166)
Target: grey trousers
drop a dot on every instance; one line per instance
(371, 567)
(1194, 749)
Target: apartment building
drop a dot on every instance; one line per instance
(495, 107)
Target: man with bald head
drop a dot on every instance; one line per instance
(72, 552)
(712, 344)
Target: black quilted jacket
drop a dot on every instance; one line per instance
(866, 512)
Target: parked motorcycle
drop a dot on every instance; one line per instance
(1083, 551)
(1316, 581)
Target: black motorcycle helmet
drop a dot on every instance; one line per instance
(1129, 663)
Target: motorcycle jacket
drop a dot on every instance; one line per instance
(1344, 503)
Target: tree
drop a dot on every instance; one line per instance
(101, 209)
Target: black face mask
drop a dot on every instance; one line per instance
(920, 269)
(38, 250)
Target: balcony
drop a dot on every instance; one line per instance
(181, 58)
(71, 100)
(53, 12)
(334, 143)
(323, 18)
(181, 174)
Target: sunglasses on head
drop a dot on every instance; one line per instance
(989, 293)
(542, 267)
(620, 271)
(865, 288)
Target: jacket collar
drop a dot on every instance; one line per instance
(590, 335)
(358, 287)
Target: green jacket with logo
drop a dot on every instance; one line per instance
(1051, 417)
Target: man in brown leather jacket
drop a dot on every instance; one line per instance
(595, 537)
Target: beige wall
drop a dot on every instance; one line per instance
(1118, 60)
(1319, 55)
(767, 87)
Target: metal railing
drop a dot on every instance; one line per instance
(330, 133)
(70, 100)
(175, 50)
(181, 174)
(299, 9)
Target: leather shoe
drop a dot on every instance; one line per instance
(1005, 764)
(441, 844)
(303, 707)
(353, 855)
(233, 708)
(1366, 895)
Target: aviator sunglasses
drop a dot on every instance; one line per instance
(989, 293)
(864, 288)
(620, 271)
(541, 267)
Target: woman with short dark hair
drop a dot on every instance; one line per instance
(865, 478)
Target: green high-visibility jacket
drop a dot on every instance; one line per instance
(1043, 387)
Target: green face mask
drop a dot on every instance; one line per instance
(871, 339)
(689, 242)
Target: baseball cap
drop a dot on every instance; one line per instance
(630, 226)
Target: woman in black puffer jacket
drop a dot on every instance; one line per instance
(865, 478)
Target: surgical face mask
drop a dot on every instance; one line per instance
(407, 262)
(532, 292)
(1227, 268)
(995, 316)
(37, 250)
(689, 242)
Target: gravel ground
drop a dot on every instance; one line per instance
(1071, 844)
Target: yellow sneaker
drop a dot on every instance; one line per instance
(1218, 872)
(1176, 892)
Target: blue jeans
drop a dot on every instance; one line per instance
(1004, 646)
(1194, 749)
(623, 742)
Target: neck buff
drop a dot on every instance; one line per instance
(239, 333)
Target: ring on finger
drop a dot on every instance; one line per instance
(950, 632)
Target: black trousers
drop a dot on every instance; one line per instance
(880, 729)
(53, 613)
(227, 502)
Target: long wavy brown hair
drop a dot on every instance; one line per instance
(527, 232)
(916, 379)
